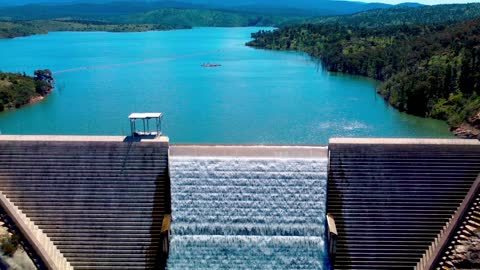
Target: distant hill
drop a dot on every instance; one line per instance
(129, 15)
(410, 4)
(46, 9)
(85, 10)
(159, 19)
(203, 18)
(319, 8)
(406, 15)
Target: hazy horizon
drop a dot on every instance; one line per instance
(425, 2)
(392, 2)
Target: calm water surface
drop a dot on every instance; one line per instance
(257, 96)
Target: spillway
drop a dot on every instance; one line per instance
(252, 208)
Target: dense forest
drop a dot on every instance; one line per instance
(162, 19)
(18, 89)
(100, 9)
(444, 14)
(137, 16)
(12, 29)
(429, 70)
(204, 18)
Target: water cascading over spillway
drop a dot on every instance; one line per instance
(237, 211)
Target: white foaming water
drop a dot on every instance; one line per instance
(248, 213)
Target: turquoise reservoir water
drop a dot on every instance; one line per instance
(256, 96)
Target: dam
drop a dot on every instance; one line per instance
(100, 202)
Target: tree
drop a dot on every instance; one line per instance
(44, 75)
(9, 244)
(43, 81)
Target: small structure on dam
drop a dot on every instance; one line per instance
(145, 118)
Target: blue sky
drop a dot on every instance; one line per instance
(427, 2)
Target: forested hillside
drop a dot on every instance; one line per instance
(202, 18)
(18, 19)
(163, 19)
(430, 70)
(48, 9)
(27, 28)
(444, 14)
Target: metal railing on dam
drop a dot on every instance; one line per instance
(100, 200)
(391, 197)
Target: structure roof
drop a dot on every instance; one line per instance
(144, 115)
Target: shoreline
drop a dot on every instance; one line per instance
(65, 26)
(138, 31)
(30, 89)
(469, 129)
(89, 31)
(34, 100)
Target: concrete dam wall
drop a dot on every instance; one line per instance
(390, 198)
(100, 200)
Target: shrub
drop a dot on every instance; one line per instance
(10, 244)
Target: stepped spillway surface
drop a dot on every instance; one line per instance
(391, 197)
(101, 202)
(237, 211)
